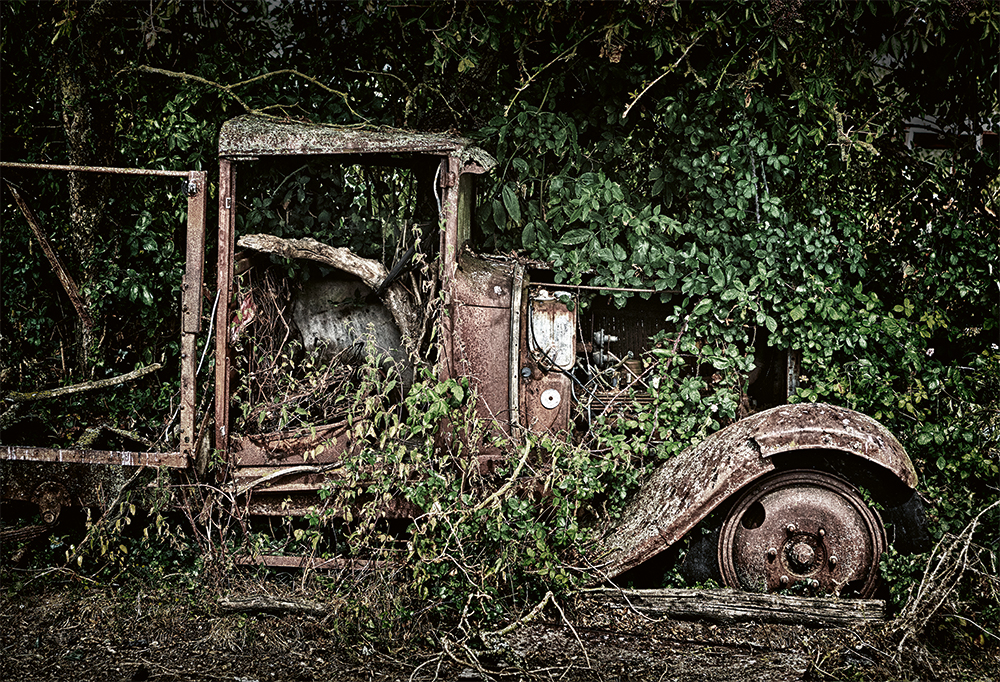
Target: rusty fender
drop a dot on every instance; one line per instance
(691, 485)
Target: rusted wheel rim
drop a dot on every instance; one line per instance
(801, 528)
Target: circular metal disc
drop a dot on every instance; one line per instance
(801, 528)
(550, 399)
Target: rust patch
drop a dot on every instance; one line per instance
(820, 426)
(118, 457)
(688, 487)
(321, 445)
(482, 353)
(482, 282)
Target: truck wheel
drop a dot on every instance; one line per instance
(801, 528)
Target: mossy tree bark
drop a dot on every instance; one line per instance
(88, 117)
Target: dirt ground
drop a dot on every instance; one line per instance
(68, 630)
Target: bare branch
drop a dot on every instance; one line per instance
(566, 54)
(79, 388)
(230, 89)
(669, 69)
(81, 306)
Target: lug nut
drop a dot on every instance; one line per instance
(772, 552)
(822, 533)
(814, 584)
(833, 560)
(784, 580)
(790, 528)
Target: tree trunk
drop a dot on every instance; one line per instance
(88, 119)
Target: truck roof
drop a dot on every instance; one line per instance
(263, 136)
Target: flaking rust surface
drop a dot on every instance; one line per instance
(685, 489)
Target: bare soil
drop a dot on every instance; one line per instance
(72, 630)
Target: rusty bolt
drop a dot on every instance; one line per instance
(813, 584)
(48, 517)
(803, 554)
(833, 560)
(772, 552)
(784, 580)
(822, 533)
(790, 528)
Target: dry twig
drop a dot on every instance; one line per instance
(944, 571)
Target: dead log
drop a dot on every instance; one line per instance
(730, 606)
(79, 388)
(264, 604)
(369, 271)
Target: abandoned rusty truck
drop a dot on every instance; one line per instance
(406, 285)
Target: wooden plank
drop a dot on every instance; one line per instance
(730, 606)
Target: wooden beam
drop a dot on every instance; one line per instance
(731, 606)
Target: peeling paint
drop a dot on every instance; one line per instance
(117, 457)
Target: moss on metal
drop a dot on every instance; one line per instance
(260, 136)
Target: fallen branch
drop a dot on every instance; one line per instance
(23, 534)
(262, 604)
(282, 473)
(371, 272)
(944, 571)
(69, 285)
(499, 494)
(80, 388)
(90, 436)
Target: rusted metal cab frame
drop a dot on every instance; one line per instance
(272, 468)
(54, 478)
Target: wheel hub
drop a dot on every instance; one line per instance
(801, 555)
(801, 528)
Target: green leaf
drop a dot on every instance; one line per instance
(704, 305)
(511, 203)
(499, 215)
(577, 236)
(528, 237)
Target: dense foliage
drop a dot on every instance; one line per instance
(756, 156)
